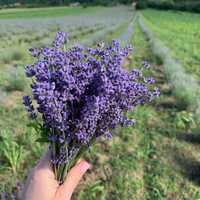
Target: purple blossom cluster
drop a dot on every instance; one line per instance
(83, 93)
(13, 195)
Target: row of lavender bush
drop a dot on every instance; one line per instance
(186, 87)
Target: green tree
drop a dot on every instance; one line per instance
(141, 4)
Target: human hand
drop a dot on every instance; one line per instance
(42, 185)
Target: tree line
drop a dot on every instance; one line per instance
(183, 5)
(61, 2)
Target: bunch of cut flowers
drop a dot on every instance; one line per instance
(81, 94)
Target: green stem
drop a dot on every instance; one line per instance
(62, 170)
(80, 153)
(73, 162)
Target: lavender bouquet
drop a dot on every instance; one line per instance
(81, 94)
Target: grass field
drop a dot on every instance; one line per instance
(180, 32)
(45, 12)
(156, 159)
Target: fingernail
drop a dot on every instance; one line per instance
(79, 160)
(84, 166)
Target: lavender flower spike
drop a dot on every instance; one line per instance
(29, 107)
(60, 39)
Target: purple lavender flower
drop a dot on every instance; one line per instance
(29, 107)
(30, 71)
(82, 94)
(19, 189)
(156, 92)
(3, 196)
(12, 197)
(146, 64)
(149, 80)
(34, 52)
(60, 39)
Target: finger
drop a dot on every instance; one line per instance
(44, 165)
(75, 175)
(44, 161)
(73, 178)
(41, 183)
(40, 165)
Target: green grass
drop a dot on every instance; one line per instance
(180, 32)
(185, 86)
(46, 12)
(8, 55)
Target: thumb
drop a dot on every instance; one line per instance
(72, 179)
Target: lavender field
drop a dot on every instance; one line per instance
(156, 159)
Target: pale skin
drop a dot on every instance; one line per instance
(41, 183)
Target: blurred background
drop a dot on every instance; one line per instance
(156, 159)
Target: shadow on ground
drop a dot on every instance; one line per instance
(192, 138)
(189, 166)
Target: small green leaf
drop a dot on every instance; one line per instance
(42, 140)
(1, 138)
(44, 131)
